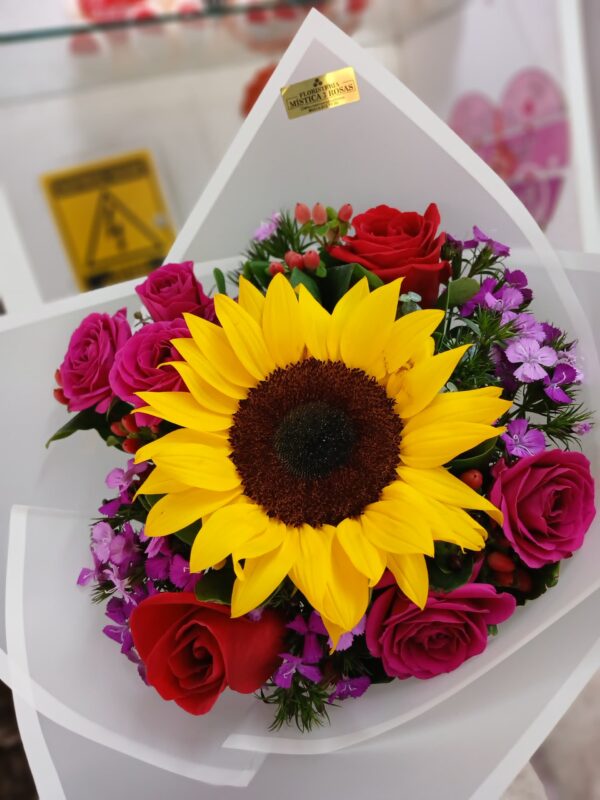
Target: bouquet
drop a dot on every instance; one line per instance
(347, 467)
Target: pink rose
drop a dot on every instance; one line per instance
(137, 364)
(171, 290)
(548, 504)
(452, 628)
(88, 361)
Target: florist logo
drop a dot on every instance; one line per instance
(316, 94)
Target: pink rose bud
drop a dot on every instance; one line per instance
(302, 213)
(319, 214)
(293, 259)
(345, 213)
(311, 260)
(275, 267)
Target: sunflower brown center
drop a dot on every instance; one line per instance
(315, 442)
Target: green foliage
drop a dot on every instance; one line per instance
(450, 567)
(304, 703)
(216, 586)
(220, 280)
(91, 420)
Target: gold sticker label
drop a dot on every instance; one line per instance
(316, 94)
(112, 218)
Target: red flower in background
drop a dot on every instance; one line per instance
(399, 244)
(193, 651)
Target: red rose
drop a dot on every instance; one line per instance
(194, 650)
(399, 244)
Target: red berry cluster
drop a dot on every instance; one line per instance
(58, 393)
(129, 431)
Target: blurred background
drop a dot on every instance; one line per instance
(114, 114)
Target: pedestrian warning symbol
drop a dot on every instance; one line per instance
(112, 218)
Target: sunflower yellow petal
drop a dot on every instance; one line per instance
(190, 352)
(451, 407)
(251, 299)
(175, 511)
(434, 445)
(441, 485)
(182, 436)
(199, 466)
(423, 382)
(214, 345)
(181, 408)
(315, 322)
(262, 543)
(395, 534)
(366, 557)
(342, 313)
(203, 392)
(312, 568)
(281, 323)
(224, 531)
(159, 482)
(263, 575)
(410, 572)
(346, 594)
(409, 333)
(245, 337)
(367, 331)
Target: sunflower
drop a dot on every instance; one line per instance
(311, 445)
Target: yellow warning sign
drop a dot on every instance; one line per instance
(112, 218)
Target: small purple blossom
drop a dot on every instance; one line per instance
(497, 248)
(569, 357)
(310, 629)
(505, 299)
(179, 574)
(267, 228)
(522, 441)
(121, 479)
(488, 286)
(581, 428)
(350, 687)
(551, 333)
(123, 547)
(468, 244)
(346, 639)
(563, 374)
(526, 325)
(102, 537)
(291, 664)
(532, 358)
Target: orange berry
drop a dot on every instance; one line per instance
(319, 214)
(131, 445)
(129, 423)
(302, 213)
(473, 478)
(345, 213)
(500, 562)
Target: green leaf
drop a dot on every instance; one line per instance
(83, 421)
(331, 213)
(148, 500)
(336, 284)
(259, 272)
(458, 292)
(492, 630)
(189, 533)
(220, 280)
(321, 230)
(450, 567)
(299, 277)
(479, 456)
(362, 272)
(216, 586)
(321, 271)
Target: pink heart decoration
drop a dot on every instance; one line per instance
(525, 139)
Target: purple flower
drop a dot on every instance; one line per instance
(468, 244)
(179, 574)
(516, 278)
(350, 687)
(497, 248)
(581, 428)
(552, 386)
(157, 544)
(522, 441)
(121, 479)
(157, 568)
(123, 548)
(86, 576)
(102, 536)
(551, 333)
(532, 357)
(569, 357)
(526, 325)
(488, 286)
(292, 664)
(503, 369)
(267, 228)
(311, 629)
(505, 299)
